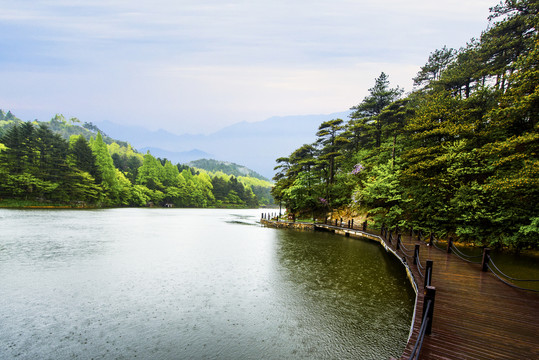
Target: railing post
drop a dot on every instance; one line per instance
(365, 225)
(486, 258)
(416, 253)
(349, 224)
(419, 235)
(390, 236)
(449, 244)
(341, 222)
(336, 222)
(398, 243)
(352, 224)
(428, 273)
(431, 240)
(430, 294)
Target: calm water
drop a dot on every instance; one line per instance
(192, 284)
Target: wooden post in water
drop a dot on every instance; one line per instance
(416, 253)
(430, 294)
(486, 259)
(449, 244)
(428, 274)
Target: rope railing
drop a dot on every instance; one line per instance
(434, 243)
(508, 283)
(404, 247)
(491, 262)
(486, 263)
(463, 256)
(426, 322)
(418, 261)
(420, 272)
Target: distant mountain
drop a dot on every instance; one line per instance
(226, 167)
(181, 157)
(256, 145)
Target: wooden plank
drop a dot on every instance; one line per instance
(476, 316)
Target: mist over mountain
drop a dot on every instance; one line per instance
(255, 145)
(182, 157)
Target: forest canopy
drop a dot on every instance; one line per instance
(458, 156)
(64, 162)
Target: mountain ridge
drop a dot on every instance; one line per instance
(265, 140)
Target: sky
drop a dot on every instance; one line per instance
(196, 66)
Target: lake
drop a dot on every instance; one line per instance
(193, 284)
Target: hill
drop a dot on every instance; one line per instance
(265, 140)
(67, 163)
(226, 167)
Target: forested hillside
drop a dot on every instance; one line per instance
(225, 167)
(65, 162)
(458, 156)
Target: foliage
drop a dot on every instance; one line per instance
(459, 156)
(228, 168)
(38, 165)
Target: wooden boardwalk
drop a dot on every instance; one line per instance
(476, 316)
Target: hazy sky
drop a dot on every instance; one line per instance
(196, 66)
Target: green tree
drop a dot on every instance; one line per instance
(83, 158)
(150, 173)
(435, 66)
(105, 166)
(365, 116)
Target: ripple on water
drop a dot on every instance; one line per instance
(168, 284)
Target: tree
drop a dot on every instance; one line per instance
(435, 66)
(365, 116)
(150, 173)
(105, 166)
(465, 71)
(511, 36)
(83, 158)
(394, 117)
(329, 141)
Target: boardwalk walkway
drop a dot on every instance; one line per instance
(476, 316)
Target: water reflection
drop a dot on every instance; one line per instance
(357, 296)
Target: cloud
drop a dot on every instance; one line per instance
(195, 65)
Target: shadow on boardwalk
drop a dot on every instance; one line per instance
(476, 316)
